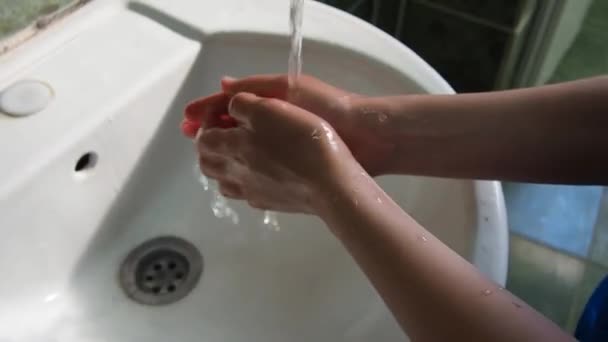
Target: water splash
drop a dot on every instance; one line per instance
(296, 15)
(271, 221)
(203, 180)
(219, 204)
(221, 208)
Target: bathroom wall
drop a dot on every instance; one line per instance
(568, 26)
(485, 38)
(17, 14)
(559, 239)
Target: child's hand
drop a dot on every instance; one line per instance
(336, 106)
(278, 157)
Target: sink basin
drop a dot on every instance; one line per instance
(103, 169)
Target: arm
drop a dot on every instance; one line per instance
(434, 294)
(272, 159)
(550, 134)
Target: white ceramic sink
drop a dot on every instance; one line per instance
(121, 74)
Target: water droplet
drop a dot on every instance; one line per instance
(219, 204)
(374, 116)
(271, 220)
(204, 182)
(423, 238)
(486, 292)
(266, 217)
(316, 135)
(330, 136)
(221, 208)
(343, 101)
(201, 177)
(379, 200)
(51, 297)
(234, 217)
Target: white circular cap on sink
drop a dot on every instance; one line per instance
(25, 98)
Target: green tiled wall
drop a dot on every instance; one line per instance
(599, 246)
(17, 14)
(588, 56)
(545, 279)
(554, 282)
(593, 275)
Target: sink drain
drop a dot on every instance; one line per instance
(161, 271)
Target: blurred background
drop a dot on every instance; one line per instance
(559, 234)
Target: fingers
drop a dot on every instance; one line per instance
(258, 205)
(263, 85)
(212, 105)
(222, 142)
(208, 112)
(231, 190)
(246, 108)
(189, 128)
(242, 106)
(213, 166)
(216, 167)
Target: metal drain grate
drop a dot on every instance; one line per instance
(161, 271)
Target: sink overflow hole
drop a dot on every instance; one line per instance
(86, 162)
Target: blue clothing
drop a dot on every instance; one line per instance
(593, 324)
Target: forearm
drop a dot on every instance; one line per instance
(552, 134)
(434, 293)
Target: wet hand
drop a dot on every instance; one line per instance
(277, 156)
(360, 127)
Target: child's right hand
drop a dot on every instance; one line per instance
(364, 129)
(356, 124)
